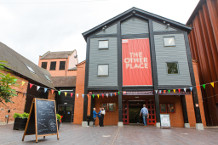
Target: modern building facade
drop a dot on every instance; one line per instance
(204, 49)
(62, 67)
(140, 58)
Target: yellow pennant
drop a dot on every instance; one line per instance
(212, 84)
(174, 90)
(98, 96)
(22, 83)
(65, 94)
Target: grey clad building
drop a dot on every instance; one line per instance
(138, 58)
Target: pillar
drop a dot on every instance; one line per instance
(157, 107)
(184, 111)
(85, 106)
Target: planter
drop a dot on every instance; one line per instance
(20, 123)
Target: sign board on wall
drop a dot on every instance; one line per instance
(136, 62)
(165, 120)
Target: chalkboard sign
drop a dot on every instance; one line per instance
(165, 120)
(42, 120)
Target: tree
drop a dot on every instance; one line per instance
(6, 83)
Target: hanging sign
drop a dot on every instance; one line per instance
(136, 62)
(138, 93)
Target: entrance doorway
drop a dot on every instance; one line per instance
(66, 111)
(132, 108)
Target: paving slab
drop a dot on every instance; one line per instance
(112, 135)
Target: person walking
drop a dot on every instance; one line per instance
(102, 117)
(144, 113)
(94, 116)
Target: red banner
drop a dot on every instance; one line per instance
(136, 62)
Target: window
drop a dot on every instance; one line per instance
(30, 69)
(103, 44)
(167, 108)
(111, 107)
(53, 65)
(47, 77)
(62, 65)
(172, 67)
(44, 65)
(102, 70)
(169, 41)
(171, 108)
(163, 108)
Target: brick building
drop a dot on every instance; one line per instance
(62, 67)
(140, 58)
(204, 45)
(26, 73)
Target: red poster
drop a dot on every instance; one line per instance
(136, 62)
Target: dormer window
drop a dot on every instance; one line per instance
(47, 77)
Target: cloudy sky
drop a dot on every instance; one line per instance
(33, 27)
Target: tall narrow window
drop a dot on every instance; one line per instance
(103, 44)
(44, 65)
(172, 67)
(103, 70)
(62, 65)
(53, 65)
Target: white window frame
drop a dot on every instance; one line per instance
(100, 46)
(169, 45)
(102, 73)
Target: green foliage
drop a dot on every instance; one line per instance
(18, 115)
(58, 117)
(6, 82)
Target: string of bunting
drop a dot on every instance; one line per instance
(111, 94)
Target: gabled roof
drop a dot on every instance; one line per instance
(20, 64)
(65, 81)
(56, 55)
(135, 11)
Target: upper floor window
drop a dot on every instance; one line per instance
(103, 70)
(62, 65)
(169, 41)
(103, 44)
(30, 69)
(172, 67)
(44, 65)
(53, 65)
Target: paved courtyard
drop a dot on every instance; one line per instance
(113, 135)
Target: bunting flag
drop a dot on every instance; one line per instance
(59, 93)
(102, 95)
(52, 91)
(174, 90)
(77, 95)
(168, 91)
(22, 83)
(45, 90)
(83, 95)
(71, 95)
(107, 95)
(212, 84)
(179, 90)
(204, 86)
(198, 87)
(184, 89)
(111, 94)
(31, 85)
(156, 91)
(160, 91)
(190, 88)
(115, 94)
(164, 91)
(93, 96)
(98, 96)
(37, 88)
(65, 93)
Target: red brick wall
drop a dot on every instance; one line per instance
(78, 107)
(19, 102)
